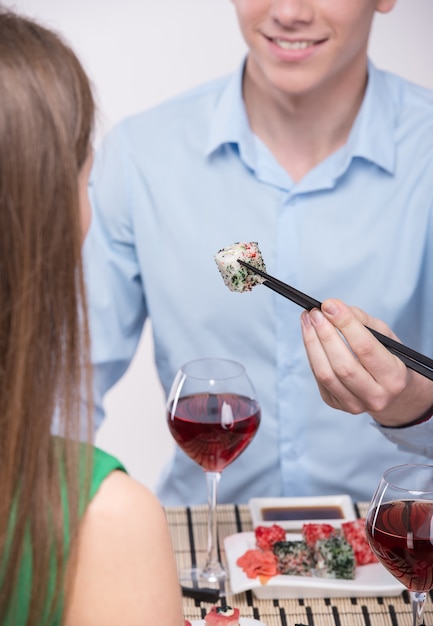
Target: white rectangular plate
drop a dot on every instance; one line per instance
(343, 502)
(370, 580)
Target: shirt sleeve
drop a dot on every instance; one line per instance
(417, 438)
(116, 302)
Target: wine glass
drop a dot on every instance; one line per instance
(213, 415)
(399, 526)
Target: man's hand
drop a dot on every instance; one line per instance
(355, 372)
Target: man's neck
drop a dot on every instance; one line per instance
(301, 131)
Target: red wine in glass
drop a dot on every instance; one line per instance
(213, 415)
(399, 527)
(402, 540)
(213, 429)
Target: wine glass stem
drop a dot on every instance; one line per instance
(418, 601)
(212, 562)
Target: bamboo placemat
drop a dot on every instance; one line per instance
(188, 527)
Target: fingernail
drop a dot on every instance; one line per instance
(305, 319)
(316, 317)
(330, 308)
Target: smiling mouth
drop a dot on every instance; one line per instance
(293, 45)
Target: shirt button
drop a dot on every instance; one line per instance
(292, 453)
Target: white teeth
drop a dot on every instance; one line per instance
(293, 45)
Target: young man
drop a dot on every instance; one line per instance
(323, 160)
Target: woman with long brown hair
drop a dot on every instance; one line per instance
(80, 541)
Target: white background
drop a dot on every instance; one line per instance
(140, 52)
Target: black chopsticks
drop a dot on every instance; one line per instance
(411, 358)
(202, 594)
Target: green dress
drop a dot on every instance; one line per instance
(103, 465)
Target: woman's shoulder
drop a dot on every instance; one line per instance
(123, 550)
(121, 495)
(113, 493)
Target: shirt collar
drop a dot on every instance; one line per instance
(230, 122)
(372, 136)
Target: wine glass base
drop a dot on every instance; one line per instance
(197, 578)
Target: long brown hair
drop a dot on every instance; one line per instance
(46, 120)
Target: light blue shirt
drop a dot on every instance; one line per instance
(418, 438)
(173, 185)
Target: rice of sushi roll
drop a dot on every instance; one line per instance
(235, 276)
